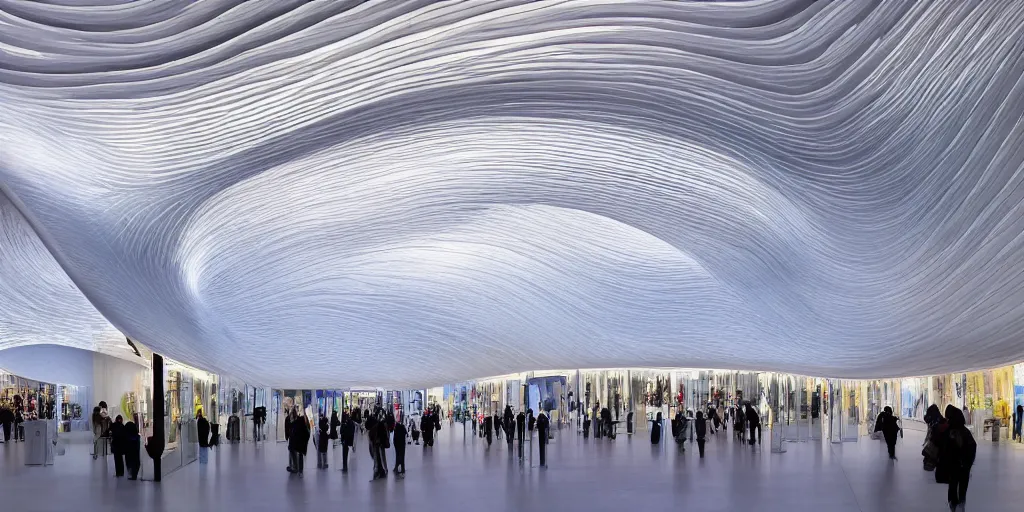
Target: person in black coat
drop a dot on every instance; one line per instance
(521, 431)
(754, 424)
(298, 443)
(957, 452)
(888, 425)
(377, 433)
(335, 423)
(322, 441)
(427, 426)
(700, 425)
(348, 436)
(542, 432)
(509, 425)
(117, 444)
(6, 420)
(607, 427)
(497, 426)
(488, 429)
(203, 429)
(656, 429)
(131, 449)
(399, 442)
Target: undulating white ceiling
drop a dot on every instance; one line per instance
(414, 192)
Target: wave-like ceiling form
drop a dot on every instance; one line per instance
(407, 192)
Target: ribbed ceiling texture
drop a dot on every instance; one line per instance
(396, 193)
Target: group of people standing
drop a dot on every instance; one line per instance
(382, 431)
(690, 427)
(122, 439)
(12, 417)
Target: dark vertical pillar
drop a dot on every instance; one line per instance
(155, 448)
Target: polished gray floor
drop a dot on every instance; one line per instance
(463, 474)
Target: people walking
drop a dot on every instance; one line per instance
(930, 450)
(132, 449)
(488, 429)
(348, 435)
(1018, 422)
(203, 429)
(335, 423)
(887, 424)
(427, 426)
(398, 440)
(521, 431)
(117, 445)
(323, 440)
(289, 428)
(542, 434)
(509, 425)
(298, 443)
(99, 432)
(754, 424)
(957, 451)
(700, 425)
(379, 443)
(6, 422)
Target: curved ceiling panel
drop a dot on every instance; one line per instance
(397, 193)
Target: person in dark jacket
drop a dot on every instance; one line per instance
(521, 431)
(754, 424)
(377, 432)
(656, 429)
(1018, 423)
(357, 418)
(323, 440)
(203, 428)
(348, 436)
(428, 426)
(6, 421)
(497, 426)
(398, 440)
(932, 415)
(531, 420)
(890, 428)
(606, 423)
(489, 429)
(132, 449)
(957, 451)
(700, 425)
(298, 443)
(542, 433)
(508, 424)
(335, 423)
(117, 444)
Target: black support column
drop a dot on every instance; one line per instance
(155, 447)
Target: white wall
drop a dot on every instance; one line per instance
(112, 378)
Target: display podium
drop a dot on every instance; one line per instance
(39, 438)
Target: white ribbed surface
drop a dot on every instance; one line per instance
(413, 192)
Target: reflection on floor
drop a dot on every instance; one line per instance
(463, 474)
